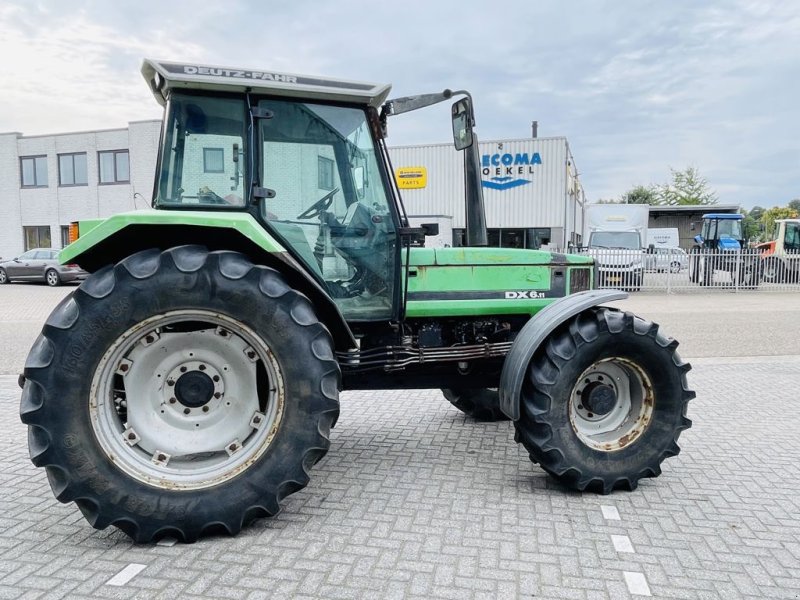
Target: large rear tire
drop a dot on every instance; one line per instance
(180, 393)
(482, 404)
(604, 402)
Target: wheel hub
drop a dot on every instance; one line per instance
(194, 389)
(599, 398)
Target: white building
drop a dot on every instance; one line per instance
(47, 181)
(532, 194)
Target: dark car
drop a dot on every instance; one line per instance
(39, 264)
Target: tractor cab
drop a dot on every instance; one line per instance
(721, 232)
(305, 157)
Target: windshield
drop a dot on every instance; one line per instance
(627, 240)
(730, 229)
(202, 156)
(330, 202)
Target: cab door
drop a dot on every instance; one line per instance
(327, 200)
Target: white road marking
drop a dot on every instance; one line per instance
(128, 573)
(167, 541)
(637, 584)
(622, 543)
(610, 513)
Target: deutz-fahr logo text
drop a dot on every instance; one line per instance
(502, 168)
(524, 294)
(236, 74)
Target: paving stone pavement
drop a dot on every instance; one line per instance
(416, 501)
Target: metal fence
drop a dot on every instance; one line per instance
(673, 270)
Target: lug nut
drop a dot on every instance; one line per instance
(131, 436)
(217, 395)
(216, 378)
(183, 369)
(161, 457)
(170, 382)
(172, 400)
(256, 419)
(123, 367)
(202, 367)
(186, 411)
(205, 409)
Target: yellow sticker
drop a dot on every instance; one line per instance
(411, 178)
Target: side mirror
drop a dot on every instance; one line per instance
(462, 124)
(15, 259)
(430, 229)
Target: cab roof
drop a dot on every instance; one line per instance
(736, 217)
(163, 76)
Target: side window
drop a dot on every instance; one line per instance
(203, 155)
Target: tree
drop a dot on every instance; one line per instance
(686, 187)
(773, 214)
(795, 205)
(640, 195)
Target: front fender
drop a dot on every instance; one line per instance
(536, 331)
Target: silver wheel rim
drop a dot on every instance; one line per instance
(52, 277)
(186, 400)
(2, 276)
(611, 405)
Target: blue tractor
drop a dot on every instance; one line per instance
(721, 246)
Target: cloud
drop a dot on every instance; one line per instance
(635, 87)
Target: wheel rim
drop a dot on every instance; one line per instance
(52, 278)
(611, 406)
(186, 400)
(2, 276)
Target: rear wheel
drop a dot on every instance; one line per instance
(180, 393)
(604, 402)
(772, 271)
(51, 278)
(482, 404)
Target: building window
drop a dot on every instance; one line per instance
(72, 169)
(213, 160)
(33, 170)
(64, 236)
(325, 173)
(114, 166)
(36, 237)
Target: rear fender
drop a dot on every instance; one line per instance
(534, 333)
(95, 251)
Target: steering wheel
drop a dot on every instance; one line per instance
(319, 207)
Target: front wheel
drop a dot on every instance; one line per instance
(772, 270)
(604, 402)
(180, 393)
(482, 404)
(51, 278)
(3, 277)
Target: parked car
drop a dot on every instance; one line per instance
(39, 264)
(666, 259)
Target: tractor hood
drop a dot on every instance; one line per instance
(491, 256)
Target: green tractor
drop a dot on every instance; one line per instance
(191, 382)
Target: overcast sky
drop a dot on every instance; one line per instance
(636, 87)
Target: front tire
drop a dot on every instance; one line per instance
(180, 393)
(52, 278)
(3, 277)
(772, 271)
(482, 404)
(604, 402)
